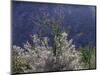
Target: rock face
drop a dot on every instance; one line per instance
(40, 57)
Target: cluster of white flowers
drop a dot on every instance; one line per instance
(68, 58)
(40, 56)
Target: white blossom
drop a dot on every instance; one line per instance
(42, 58)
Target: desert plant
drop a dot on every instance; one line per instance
(40, 56)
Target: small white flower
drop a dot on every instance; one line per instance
(64, 34)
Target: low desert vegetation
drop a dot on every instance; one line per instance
(40, 57)
(62, 55)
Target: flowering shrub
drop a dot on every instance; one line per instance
(40, 57)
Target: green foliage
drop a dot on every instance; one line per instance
(88, 57)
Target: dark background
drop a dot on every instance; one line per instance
(80, 21)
